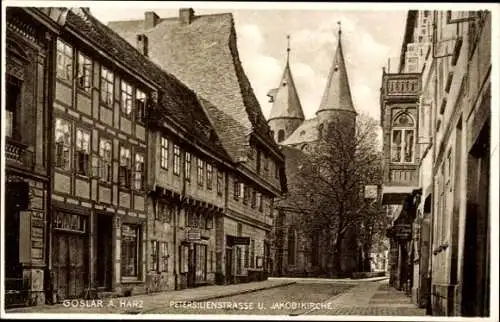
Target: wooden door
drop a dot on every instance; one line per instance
(69, 265)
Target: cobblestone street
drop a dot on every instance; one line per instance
(280, 296)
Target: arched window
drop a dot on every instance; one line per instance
(292, 249)
(403, 139)
(281, 135)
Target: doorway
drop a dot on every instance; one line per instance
(103, 251)
(69, 264)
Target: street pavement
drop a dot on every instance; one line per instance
(276, 296)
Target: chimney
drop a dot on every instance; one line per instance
(186, 15)
(151, 19)
(142, 44)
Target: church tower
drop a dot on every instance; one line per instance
(286, 113)
(337, 108)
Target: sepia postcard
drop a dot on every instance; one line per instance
(248, 160)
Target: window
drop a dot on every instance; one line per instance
(126, 98)
(259, 201)
(266, 163)
(154, 255)
(164, 153)
(140, 105)
(254, 198)
(164, 257)
(403, 139)
(246, 194)
(177, 160)
(259, 156)
(187, 167)
(139, 171)
(13, 93)
(252, 253)
(164, 213)
(84, 80)
(219, 182)
(211, 261)
(107, 91)
(64, 61)
(200, 172)
(236, 188)
(130, 250)
(63, 144)
(124, 171)
(320, 131)
(105, 151)
(291, 246)
(82, 152)
(281, 135)
(209, 176)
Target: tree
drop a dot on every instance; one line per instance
(327, 187)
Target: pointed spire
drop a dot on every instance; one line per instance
(337, 94)
(286, 103)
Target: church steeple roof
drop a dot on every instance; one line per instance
(337, 94)
(286, 103)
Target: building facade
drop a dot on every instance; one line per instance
(449, 249)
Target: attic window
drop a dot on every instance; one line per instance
(284, 84)
(302, 132)
(336, 67)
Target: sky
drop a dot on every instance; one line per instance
(369, 38)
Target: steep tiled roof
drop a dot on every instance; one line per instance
(176, 100)
(337, 94)
(306, 132)
(203, 54)
(286, 101)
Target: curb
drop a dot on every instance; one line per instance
(213, 297)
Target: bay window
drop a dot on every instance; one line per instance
(403, 139)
